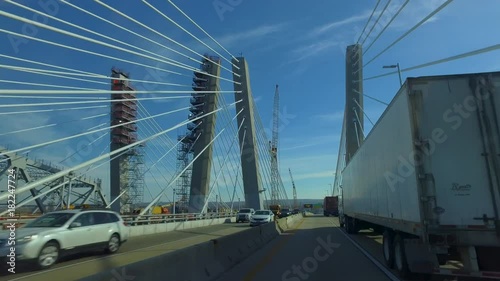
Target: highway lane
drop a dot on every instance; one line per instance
(136, 249)
(315, 250)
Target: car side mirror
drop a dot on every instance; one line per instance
(75, 224)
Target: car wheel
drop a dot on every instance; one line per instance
(48, 256)
(113, 244)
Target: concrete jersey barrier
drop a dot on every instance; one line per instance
(201, 262)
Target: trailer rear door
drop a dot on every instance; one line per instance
(457, 158)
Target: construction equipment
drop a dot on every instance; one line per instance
(274, 151)
(295, 204)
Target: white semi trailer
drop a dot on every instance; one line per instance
(428, 177)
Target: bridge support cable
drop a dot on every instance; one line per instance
(151, 130)
(95, 33)
(368, 21)
(386, 26)
(223, 146)
(264, 146)
(163, 164)
(357, 133)
(97, 159)
(204, 209)
(411, 30)
(359, 123)
(95, 131)
(337, 184)
(448, 59)
(148, 170)
(363, 111)
(69, 76)
(206, 33)
(85, 102)
(165, 37)
(52, 110)
(187, 166)
(372, 98)
(90, 52)
(190, 34)
(376, 21)
(98, 42)
(45, 85)
(58, 92)
(242, 145)
(52, 125)
(69, 70)
(226, 116)
(263, 149)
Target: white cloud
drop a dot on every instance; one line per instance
(314, 49)
(329, 117)
(320, 30)
(254, 34)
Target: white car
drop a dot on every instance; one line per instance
(56, 234)
(261, 217)
(244, 215)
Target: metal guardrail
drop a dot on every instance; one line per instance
(131, 220)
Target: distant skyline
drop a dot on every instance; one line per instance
(298, 45)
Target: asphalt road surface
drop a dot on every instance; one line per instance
(314, 251)
(136, 249)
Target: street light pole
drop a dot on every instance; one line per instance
(399, 71)
(173, 209)
(239, 204)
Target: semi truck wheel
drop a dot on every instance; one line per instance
(350, 225)
(400, 260)
(388, 246)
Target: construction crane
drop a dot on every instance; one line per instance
(295, 204)
(274, 151)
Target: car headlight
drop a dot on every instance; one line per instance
(26, 239)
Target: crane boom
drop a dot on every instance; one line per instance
(295, 204)
(274, 151)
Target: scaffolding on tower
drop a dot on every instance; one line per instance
(130, 166)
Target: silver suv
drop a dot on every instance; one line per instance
(245, 215)
(55, 234)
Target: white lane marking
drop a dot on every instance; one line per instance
(370, 257)
(107, 257)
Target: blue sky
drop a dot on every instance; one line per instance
(299, 45)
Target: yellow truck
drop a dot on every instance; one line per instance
(276, 209)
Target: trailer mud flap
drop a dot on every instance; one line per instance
(419, 257)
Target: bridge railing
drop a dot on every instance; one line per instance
(130, 220)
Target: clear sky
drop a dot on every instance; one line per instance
(299, 45)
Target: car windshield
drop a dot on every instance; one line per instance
(50, 220)
(285, 210)
(244, 211)
(262, 213)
